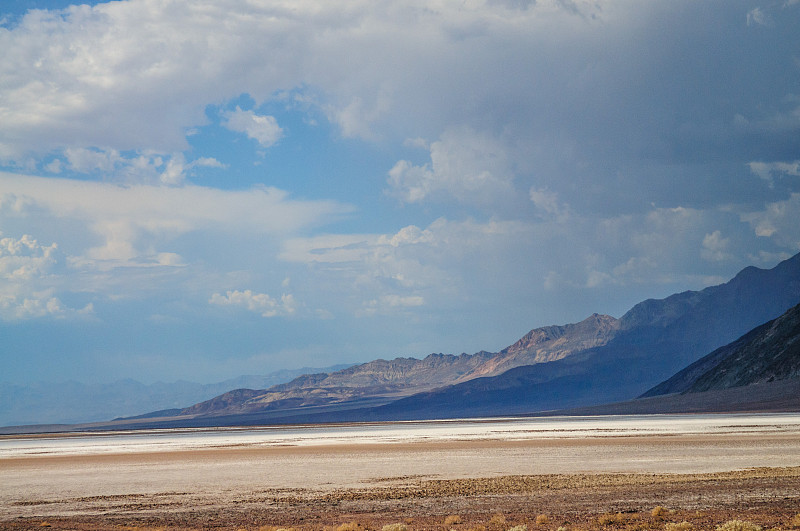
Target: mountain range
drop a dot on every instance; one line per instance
(692, 351)
(381, 381)
(599, 360)
(760, 371)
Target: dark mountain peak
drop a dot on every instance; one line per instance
(767, 289)
(747, 274)
(660, 312)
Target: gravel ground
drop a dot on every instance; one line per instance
(768, 497)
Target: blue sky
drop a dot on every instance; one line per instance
(202, 189)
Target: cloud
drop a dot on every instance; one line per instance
(767, 170)
(130, 219)
(24, 258)
(371, 274)
(554, 87)
(175, 169)
(389, 304)
(466, 165)
(547, 204)
(61, 72)
(261, 128)
(85, 160)
(40, 304)
(256, 302)
(137, 242)
(757, 16)
(328, 248)
(149, 168)
(778, 222)
(356, 118)
(27, 270)
(715, 247)
(433, 268)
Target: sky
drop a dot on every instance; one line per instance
(200, 189)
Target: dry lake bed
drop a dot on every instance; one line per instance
(571, 472)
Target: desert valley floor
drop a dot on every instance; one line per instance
(577, 473)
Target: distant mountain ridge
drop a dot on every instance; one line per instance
(550, 343)
(598, 360)
(387, 380)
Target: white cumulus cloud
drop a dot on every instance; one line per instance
(27, 271)
(261, 128)
(24, 258)
(778, 221)
(466, 165)
(260, 303)
(39, 304)
(715, 247)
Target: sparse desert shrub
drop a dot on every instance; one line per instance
(683, 526)
(395, 527)
(453, 519)
(522, 527)
(658, 512)
(614, 519)
(738, 525)
(795, 521)
(542, 519)
(562, 528)
(477, 528)
(498, 521)
(350, 526)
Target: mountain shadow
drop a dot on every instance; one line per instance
(768, 353)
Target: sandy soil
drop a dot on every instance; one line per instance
(602, 483)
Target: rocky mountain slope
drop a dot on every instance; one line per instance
(550, 343)
(382, 381)
(768, 353)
